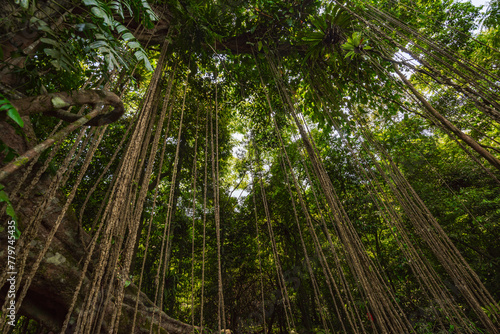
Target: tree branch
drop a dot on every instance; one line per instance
(51, 104)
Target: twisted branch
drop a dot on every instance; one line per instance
(51, 105)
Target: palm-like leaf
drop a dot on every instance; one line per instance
(329, 30)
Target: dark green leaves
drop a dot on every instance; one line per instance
(11, 110)
(105, 42)
(355, 45)
(10, 210)
(23, 3)
(5, 105)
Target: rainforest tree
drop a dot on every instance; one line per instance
(254, 166)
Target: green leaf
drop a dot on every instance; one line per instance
(85, 26)
(259, 45)
(49, 41)
(11, 110)
(90, 3)
(14, 115)
(350, 54)
(129, 7)
(120, 28)
(98, 44)
(311, 39)
(134, 45)
(356, 38)
(11, 154)
(128, 36)
(56, 64)
(347, 46)
(118, 8)
(53, 53)
(103, 15)
(140, 55)
(149, 10)
(147, 64)
(10, 211)
(24, 3)
(3, 196)
(17, 233)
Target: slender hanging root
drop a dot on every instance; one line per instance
(51, 104)
(447, 124)
(37, 150)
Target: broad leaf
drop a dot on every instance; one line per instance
(14, 115)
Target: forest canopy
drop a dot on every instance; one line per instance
(249, 166)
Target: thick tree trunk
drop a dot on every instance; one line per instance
(51, 292)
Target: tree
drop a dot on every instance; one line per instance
(128, 216)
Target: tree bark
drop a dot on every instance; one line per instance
(52, 289)
(51, 104)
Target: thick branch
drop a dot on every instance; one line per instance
(37, 150)
(51, 104)
(244, 43)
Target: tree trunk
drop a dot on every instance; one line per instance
(51, 291)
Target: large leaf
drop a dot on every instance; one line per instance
(120, 28)
(151, 14)
(14, 115)
(85, 26)
(118, 8)
(11, 110)
(91, 3)
(49, 41)
(141, 55)
(128, 36)
(134, 45)
(10, 211)
(99, 44)
(99, 12)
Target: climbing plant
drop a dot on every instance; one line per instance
(257, 166)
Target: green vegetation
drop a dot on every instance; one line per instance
(295, 175)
